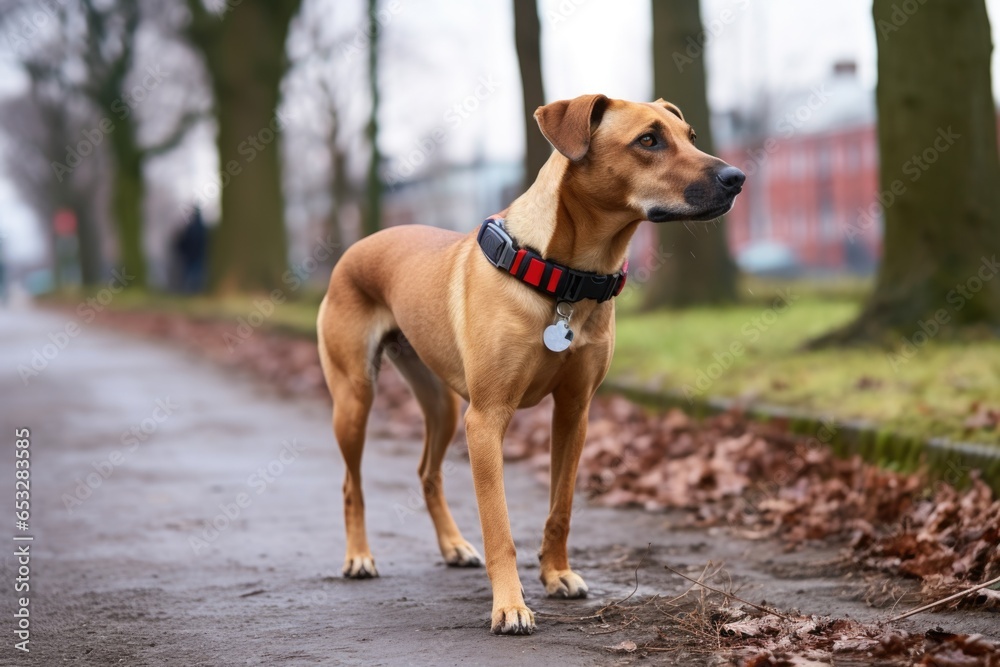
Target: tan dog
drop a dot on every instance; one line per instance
(474, 331)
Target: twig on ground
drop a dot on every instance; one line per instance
(729, 595)
(600, 612)
(940, 602)
(613, 630)
(701, 576)
(649, 547)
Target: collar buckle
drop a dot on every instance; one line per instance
(497, 245)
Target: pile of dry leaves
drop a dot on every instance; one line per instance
(761, 481)
(707, 623)
(726, 470)
(754, 639)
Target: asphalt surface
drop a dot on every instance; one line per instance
(138, 448)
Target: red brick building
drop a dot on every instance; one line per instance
(812, 189)
(813, 194)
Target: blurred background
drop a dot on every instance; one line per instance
(819, 368)
(200, 154)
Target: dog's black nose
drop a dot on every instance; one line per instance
(731, 178)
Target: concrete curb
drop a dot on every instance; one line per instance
(947, 460)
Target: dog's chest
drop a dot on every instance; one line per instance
(586, 359)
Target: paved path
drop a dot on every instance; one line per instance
(136, 446)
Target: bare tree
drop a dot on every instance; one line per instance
(527, 39)
(700, 270)
(339, 183)
(244, 52)
(323, 73)
(90, 53)
(39, 124)
(939, 172)
(107, 50)
(371, 221)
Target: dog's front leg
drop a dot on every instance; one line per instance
(569, 430)
(485, 428)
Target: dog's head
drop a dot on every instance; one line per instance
(638, 156)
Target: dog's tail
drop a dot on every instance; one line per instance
(325, 360)
(355, 352)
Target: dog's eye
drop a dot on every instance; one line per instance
(694, 136)
(647, 141)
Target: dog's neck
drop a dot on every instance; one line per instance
(567, 228)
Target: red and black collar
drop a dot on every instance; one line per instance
(556, 280)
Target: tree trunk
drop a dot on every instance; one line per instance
(127, 196)
(527, 38)
(339, 189)
(245, 54)
(940, 175)
(88, 238)
(699, 270)
(371, 220)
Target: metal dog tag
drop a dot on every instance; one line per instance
(558, 336)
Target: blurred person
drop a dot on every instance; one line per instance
(191, 251)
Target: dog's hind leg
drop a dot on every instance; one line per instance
(440, 406)
(349, 353)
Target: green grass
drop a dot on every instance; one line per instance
(930, 395)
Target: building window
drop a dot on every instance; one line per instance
(798, 164)
(853, 156)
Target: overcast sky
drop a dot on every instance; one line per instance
(438, 52)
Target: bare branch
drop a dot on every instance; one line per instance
(729, 595)
(938, 603)
(183, 126)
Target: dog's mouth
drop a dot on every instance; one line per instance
(669, 214)
(716, 212)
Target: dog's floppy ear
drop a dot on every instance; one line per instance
(670, 107)
(567, 123)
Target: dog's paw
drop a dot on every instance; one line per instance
(564, 584)
(360, 567)
(461, 554)
(513, 620)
